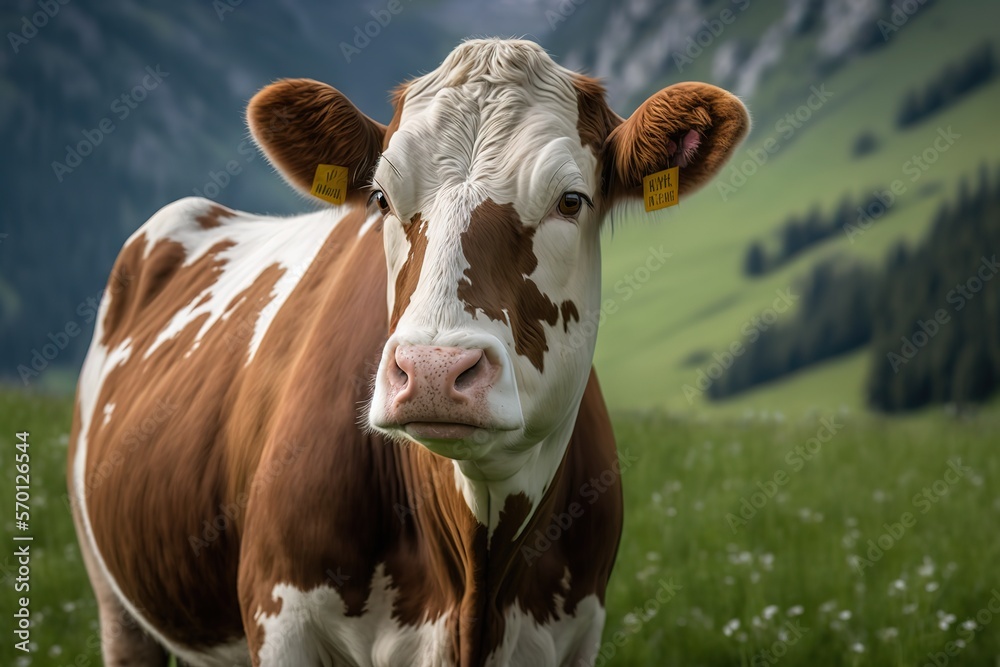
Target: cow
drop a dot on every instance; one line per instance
(371, 434)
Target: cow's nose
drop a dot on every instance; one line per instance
(438, 377)
(438, 395)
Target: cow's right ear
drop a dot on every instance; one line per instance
(301, 124)
(693, 126)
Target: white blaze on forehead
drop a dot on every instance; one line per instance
(498, 120)
(498, 114)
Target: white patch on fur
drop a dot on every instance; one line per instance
(369, 223)
(260, 242)
(312, 628)
(109, 409)
(567, 640)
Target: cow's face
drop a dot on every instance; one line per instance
(492, 182)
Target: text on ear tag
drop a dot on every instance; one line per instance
(330, 183)
(659, 190)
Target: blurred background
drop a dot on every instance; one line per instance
(828, 310)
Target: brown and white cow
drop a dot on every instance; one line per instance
(270, 467)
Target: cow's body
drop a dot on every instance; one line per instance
(372, 540)
(269, 466)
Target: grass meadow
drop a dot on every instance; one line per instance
(702, 578)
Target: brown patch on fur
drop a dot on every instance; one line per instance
(482, 584)
(639, 146)
(152, 275)
(501, 255)
(301, 123)
(569, 312)
(587, 548)
(595, 119)
(213, 216)
(409, 273)
(152, 480)
(398, 99)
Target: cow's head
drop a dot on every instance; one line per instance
(493, 179)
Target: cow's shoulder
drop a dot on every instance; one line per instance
(188, 218)
(197, 259)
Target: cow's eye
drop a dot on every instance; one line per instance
(379, 198)
(570, 204)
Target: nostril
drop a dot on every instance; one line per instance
(401, 369)
(398, 375)
(468, 377)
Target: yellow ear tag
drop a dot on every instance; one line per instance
(330, 183)
(659, 190)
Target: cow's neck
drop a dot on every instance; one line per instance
(486, 488)
(477, 558)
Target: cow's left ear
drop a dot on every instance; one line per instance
(301, 124)
(693, 126)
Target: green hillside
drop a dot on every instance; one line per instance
(698, 302)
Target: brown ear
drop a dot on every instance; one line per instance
(694, 126)
(301, 123)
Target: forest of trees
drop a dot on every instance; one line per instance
(948, 86)
(932, 314)
(936, 317)
(833, 317)
(799, 233)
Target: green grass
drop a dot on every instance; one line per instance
(692, 471)
(62, 606)
(793, 552)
